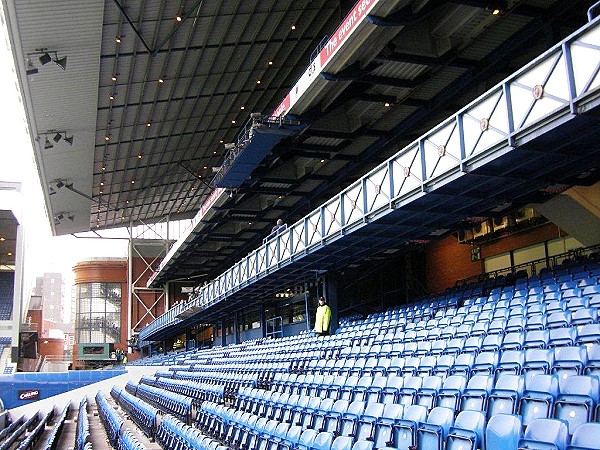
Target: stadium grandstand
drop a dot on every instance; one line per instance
(436, 165)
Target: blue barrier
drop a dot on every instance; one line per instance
(22, 388)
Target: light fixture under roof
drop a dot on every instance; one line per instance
(31, 69)
(45, 58)
(47, 144)
(57, 137)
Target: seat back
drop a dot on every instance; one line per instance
(545, 434)
(503, 431)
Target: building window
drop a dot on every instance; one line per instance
(98, 313)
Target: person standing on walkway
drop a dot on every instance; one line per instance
(323, 318)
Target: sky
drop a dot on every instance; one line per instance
(45, 253)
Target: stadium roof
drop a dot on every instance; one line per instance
(150, 101)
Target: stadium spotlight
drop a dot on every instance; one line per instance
(59, 183)
(62, 62)
(45, 58)
(57, 137)
(69, 140)
(48, 144)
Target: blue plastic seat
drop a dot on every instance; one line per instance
(585, 316)
(405, 429)
(467, 431)
(349, 420)
(559, 319)
(491, 343)
(516, 324)
(545, 434)
(341, 443)
(536, 339)
(443, 365)
(450, 393)
(408, 392)
(586, 437)
(578, 397)
(511, 361)
(382, 435)
(432, 433)
(592, 366)
(561, 337)
(569, 361)
(428, 392)
(485, 363)
(455, 346)
(513, 341)
(503, 432)
(475, 396)
(589, 334)
(391, 392)
(505, 395)
(323, 441)
(537, 401)
(538, 360)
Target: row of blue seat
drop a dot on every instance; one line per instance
(143, 414)
(11, 427)
(176, 435)
(128, 441)
(196, 390)
(111, 420)
(437, 429)
(52, 441)
(34, 435)
(17, 432)
(82, 433)
(175, 404)
(533, 396)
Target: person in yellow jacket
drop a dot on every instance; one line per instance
(323, 318)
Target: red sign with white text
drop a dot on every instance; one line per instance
(358, 13)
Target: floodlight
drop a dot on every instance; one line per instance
(57, 137)
(62, 62)
(48, 144)
(69, 140)
(59, 184)
(45, 58)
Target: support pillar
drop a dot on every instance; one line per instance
(223, 336)
(189, 337)
(236, 328)
(164, 346)
(331, 295)
(263, 320)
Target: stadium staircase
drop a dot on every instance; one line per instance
(487, 365)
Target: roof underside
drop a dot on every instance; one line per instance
(150, 114)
